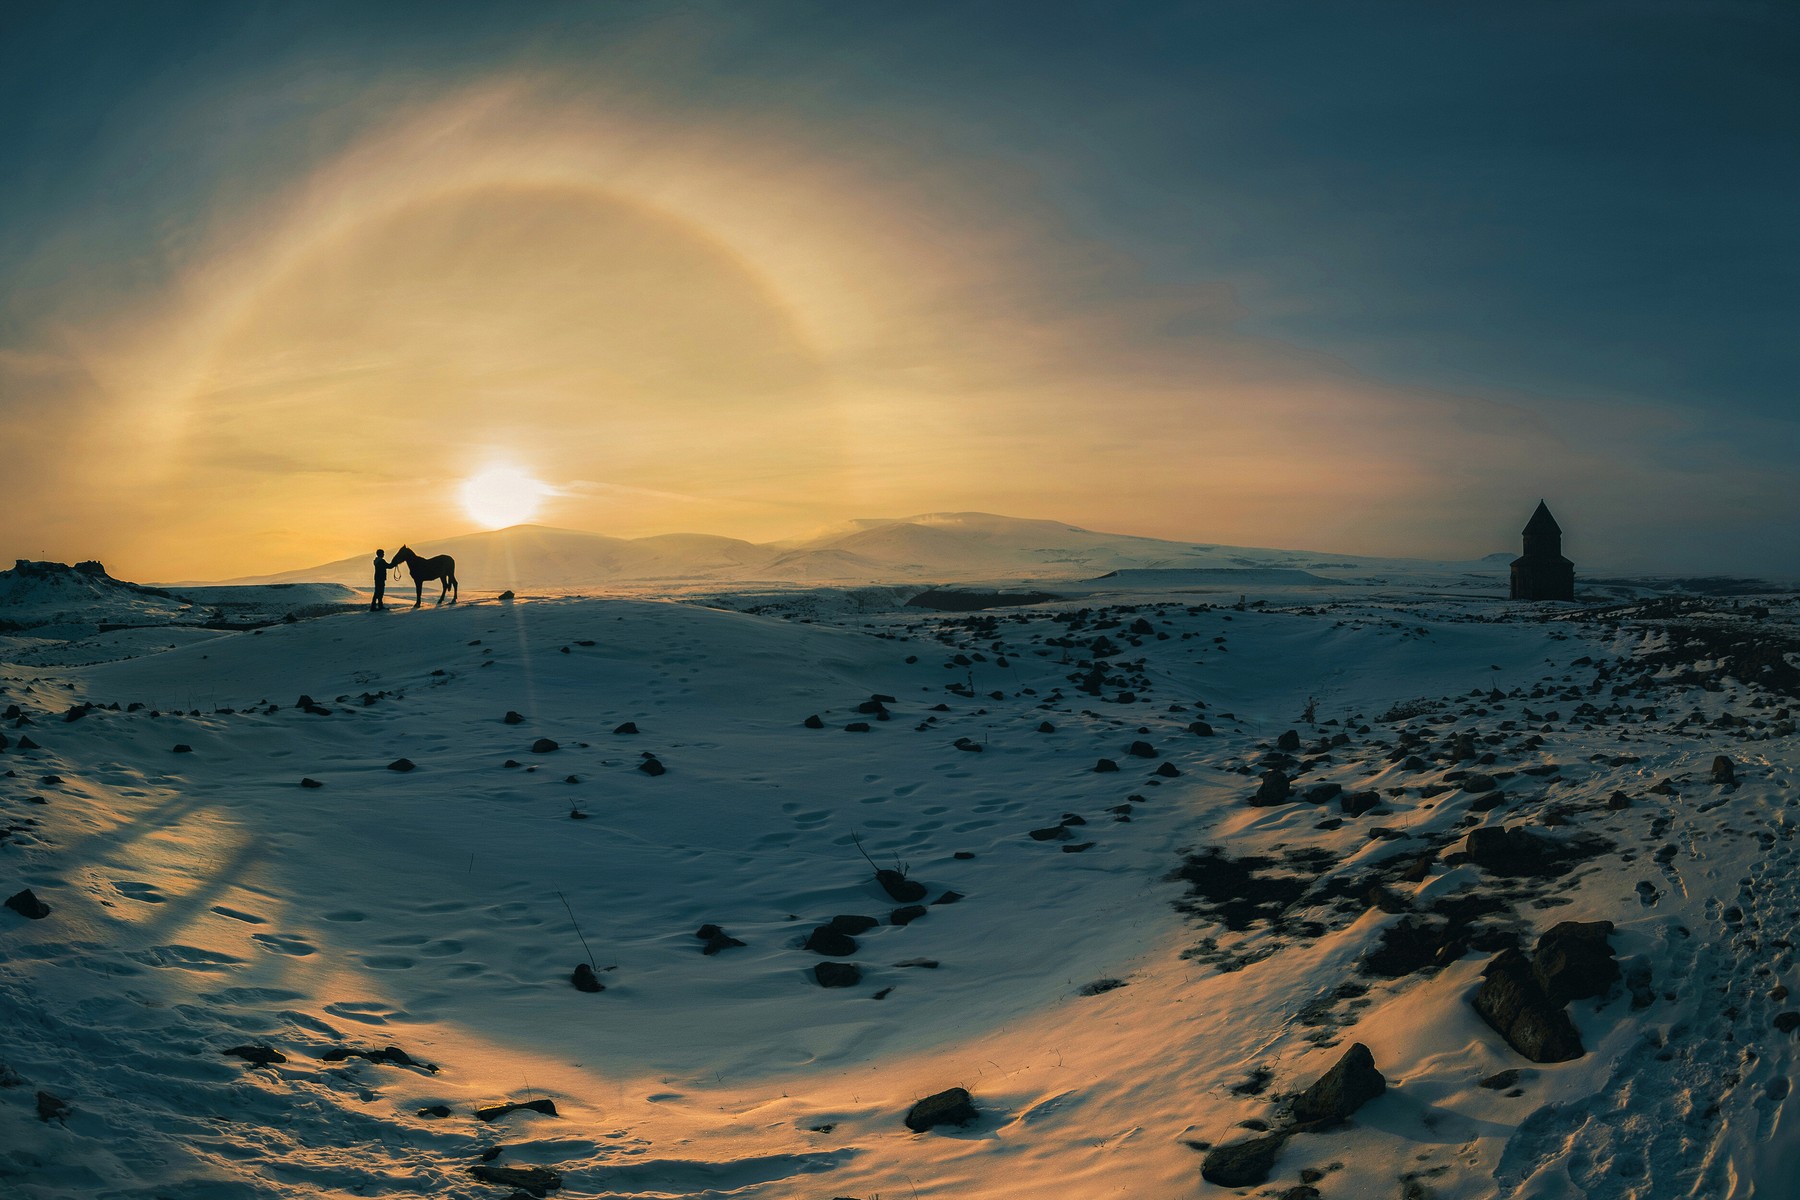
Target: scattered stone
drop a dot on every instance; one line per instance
(261, 1056)
(309, 782)
(1243, 1164)
(386, 1054)
(1512, 1002)
(1574, 961)
(182, 748)
(1106, 764)
(1141, 750)
(1723, 770)
(628, 727)
(585, 980)
(494, 1112)
(505, 597)
(966, 744)
(51, 1107)
(1101, 985)
(716, 939)
(852, 924)
(857, 727)
(544, 746)
(948, 898)
(512, 718)
(402, 765)
(1273, 790)
(538, 1181)
(1078, 847)
(1167, 770)
(908, 914)
(1499, 1081)
(899, 888)
(1046, 727)
(27, 905)
(1200, 728)
(1350, 1084)
(435, 1110)
(1289, 742)
(949, 1107)
(652, 766)
(1051, 833)
(837, 975)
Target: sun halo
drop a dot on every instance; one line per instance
(502, 496)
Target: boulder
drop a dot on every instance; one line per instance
(1512, 1002)
(1288, 742)
(814, 722)
(1243, 1164)
(949, 1107)
(512, 718)
(1106, 764)
(1349, 1085)
(537, 1181)
(27, 905)
(545, 746)
(716, 939)
(1574, 961)
(494, 1112)
(628, 727)
(852, 923)
(1273, 790)
(1141, 750)
(1723, 770)
(402, 765)
(51, 1107)
(899, 888)
(652, 766)
(585, 980)
(907, 914)
(837, 975)
(826, 940)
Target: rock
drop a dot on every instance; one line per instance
(1512, 1002)
(857, 727)
(1574, 961)
(1141, 750)
(544, 746)
(1243, 1164)
(1349, 1085)
(1788, 1021)
(309, 782)
(512, 718)
(27, 905)
(1273, 790)
(1167, 770)
(51, 1107)
(1499, 1081)
(852, 924)
(814, 722)
(402, 765)
(505, 597)
(1723, 770)
(826, 940)
(973, 747)
(1051, 833)
(1288, 742)
(898, 887)
(538, 1181)
(435, 1110)
(261, 1056)
(1046, 727)
(182, 748)
(1323, 793)
(1355, 804)
(949, 1107)
(494, 1112)
(1106, 764)
(585, 980)
(628, 727)
(652, 766)
(1476, 784)
(908, 914)
(1518, 851)
(1200, 729)
(716, 939)
(837, 975)
(948, 898)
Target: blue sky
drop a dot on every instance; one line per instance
(1470, 255)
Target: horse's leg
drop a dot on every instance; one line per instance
(455, 591)
(444, 590)
(418, 592)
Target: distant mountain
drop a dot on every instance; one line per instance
(928, 548)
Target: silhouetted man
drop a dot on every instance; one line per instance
(381, 570)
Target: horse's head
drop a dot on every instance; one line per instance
(401, 555)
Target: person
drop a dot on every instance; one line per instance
(381, 570)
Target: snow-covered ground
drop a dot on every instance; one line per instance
(205, 896)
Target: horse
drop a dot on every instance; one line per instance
(440, 566)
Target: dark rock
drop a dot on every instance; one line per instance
(1273, 790)
(1788, 1021)
(950, 1107)
(51, 1107)
(494, 1112)
(716, 939)
(544, 746)
(1323, 793)
(25, 743)
(1106, 764)
(857, 727)
(652, 766)
(1499, 1081)
(585, 980)
(1518, 851)
(27, 905)
(627, 728)
(1723, 770)
(512, 718)
(963, 855)
(852, 924)
(907, 914)
(538, 1181)
(1078, 847)
(261, 1056)
(1476, 784)
(435, 1110)
(1141, 750)
(826, 940)
(1243, 1164)
(899, 888)
(402, 765)
(1200, 728)
(1355, 804)
(1101, 986)
(1342, 1090)
(1046, 727)
(973, 747)
(182, 748)
(1288, 742)
(837, 975)
(1574, 961)
(1511, 1001)
(814, 722)
(310, 783)
(1051, 833)
(1167, 770)
(948, 898)
(385, 1054)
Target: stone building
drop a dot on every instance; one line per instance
(1542, 573)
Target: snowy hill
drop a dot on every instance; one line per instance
(1134, 966)
(932, 547)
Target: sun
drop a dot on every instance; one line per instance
(502, 496)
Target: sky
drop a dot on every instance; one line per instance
(278, 279)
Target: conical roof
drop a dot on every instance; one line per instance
(1542, 522)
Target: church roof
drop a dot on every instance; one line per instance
(1541, 521)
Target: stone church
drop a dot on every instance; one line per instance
(1542, 573)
